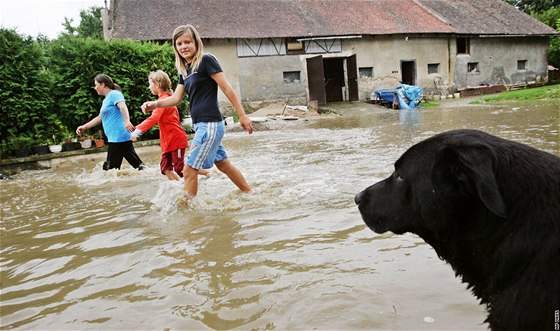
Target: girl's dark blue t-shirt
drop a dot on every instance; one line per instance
(202, 90)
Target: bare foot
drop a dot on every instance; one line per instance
(207, 172)
(185, 200)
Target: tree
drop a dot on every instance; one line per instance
(90, 25)
(554, 48)
(534, 6)
(548, 12)
(549, 17)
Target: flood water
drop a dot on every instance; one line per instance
(86, 249)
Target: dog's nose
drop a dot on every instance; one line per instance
(358, 198)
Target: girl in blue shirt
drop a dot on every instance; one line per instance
(116, 125)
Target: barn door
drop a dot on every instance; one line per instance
(316, 79)
(352, 69)
(334, 79)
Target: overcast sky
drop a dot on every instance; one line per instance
(34, 17)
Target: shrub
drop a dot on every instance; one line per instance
(26, 97)
(76, 61)
(47, 86)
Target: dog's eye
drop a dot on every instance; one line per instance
(398, 178)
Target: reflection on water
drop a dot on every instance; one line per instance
(411, 120)
(86, 249)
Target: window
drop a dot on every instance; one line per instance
(366, 72)
(291, 77)
(433, 68)
(323, 46)
(521, 64)
(472, 68)
(463, 45)
(260, 47)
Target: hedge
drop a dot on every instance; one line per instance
(47, 86)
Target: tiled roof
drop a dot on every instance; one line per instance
(486, 17)
(156, 19)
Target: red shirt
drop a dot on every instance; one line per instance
(172, 136)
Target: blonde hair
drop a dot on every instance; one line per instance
(180, 62)
(161, 78)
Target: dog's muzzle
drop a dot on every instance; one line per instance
(358, 197)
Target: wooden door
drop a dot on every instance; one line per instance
(316, 79)
(352, 69)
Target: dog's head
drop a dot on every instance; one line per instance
(436, 183)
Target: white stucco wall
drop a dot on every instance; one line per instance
(225, 50)
(389, 51)
(497, 61)
(261, 78)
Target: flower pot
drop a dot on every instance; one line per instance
(99, 143)
(22, 152)
(71, 146)
(40, 150)
(86, 143)
(55, 148)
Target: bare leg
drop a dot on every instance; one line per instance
(206, 172)
(234, 174)
(191, 180)
(171, 175)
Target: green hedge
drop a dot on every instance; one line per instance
(25, 92)
(47, 86)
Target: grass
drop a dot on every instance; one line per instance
(536, 93)
(429, 104)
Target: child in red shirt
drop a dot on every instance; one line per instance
(173, 139)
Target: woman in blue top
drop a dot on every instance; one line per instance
(200, 75)
(116, 125)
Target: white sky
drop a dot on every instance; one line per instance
(31, 17)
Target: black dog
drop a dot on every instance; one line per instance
(490, 207)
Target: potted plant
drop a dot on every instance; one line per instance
(98, 139)
(40, 136)
(85, 141)
(40, 149)
(54, 144)
(70, 142)
(55, 148)
(21, 144)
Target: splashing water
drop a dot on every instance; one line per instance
(113, 250)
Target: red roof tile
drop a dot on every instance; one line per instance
(156, 19)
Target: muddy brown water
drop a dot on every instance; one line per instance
(86, 249)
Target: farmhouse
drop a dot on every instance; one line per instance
(344, 49)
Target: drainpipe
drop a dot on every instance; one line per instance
(105, 18)
(451, 74)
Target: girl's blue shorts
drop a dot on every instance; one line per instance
(206, 146)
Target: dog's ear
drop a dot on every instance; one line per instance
(472, 168)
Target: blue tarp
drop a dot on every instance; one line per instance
(407, 96)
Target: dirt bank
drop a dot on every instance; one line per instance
(279, 116)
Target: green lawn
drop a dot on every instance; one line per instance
(429, 104)
(536, 93)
